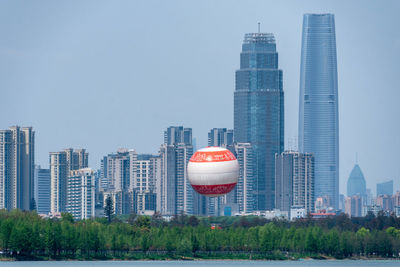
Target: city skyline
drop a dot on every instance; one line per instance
(26, 74)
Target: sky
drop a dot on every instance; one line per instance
(103, 75)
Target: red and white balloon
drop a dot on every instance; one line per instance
(213, 171)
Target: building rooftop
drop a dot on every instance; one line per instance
(267, 38)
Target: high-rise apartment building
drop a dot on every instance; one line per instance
(175, 194)
(143, 184)
(119, 169)
(81, 194)
(130, 179)
(259, 111)
(318, 103)
(42, 190)
(17, 157)
(214, 206)
(294, 178)
(385, 188)
(245, 197)
(220, 137)
(61, 164)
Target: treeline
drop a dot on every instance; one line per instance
(27, 234)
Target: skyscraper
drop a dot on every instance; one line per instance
(259, 111)
(17, 155)
(318, 103)
(356, 183)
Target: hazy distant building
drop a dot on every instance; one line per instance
(318, 103)
(42, 190)
(17, 157)
(342, 202)
(353, 206)
(61, 164)
(259, 111)
(396, 199)
(294, 178)
(323, 203)
(385, 188)
(175, 192)
(385, 202)
(370, 198)
(356, 183)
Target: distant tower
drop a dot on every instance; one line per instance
(259, 111)
(356, 183)
(318, 103)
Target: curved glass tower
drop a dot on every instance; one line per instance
(318, 103)
(356, 183)
(258, 111)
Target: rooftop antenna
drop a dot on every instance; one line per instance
(356, 157)
(259, 27)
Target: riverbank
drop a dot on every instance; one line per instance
(222, 255)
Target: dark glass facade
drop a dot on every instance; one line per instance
(318, 103)
(259, 111)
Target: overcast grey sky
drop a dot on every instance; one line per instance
(108, 74)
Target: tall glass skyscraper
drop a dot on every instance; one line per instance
(258, 111)
(318, 103)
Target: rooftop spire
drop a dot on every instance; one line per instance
(259, 27)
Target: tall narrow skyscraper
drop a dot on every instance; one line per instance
(318, 103)
(259, 111)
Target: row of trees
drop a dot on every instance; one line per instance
(26, 233)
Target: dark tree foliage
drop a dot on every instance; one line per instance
(109, 209)
(26, 233)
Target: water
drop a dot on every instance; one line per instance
(206, 263)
